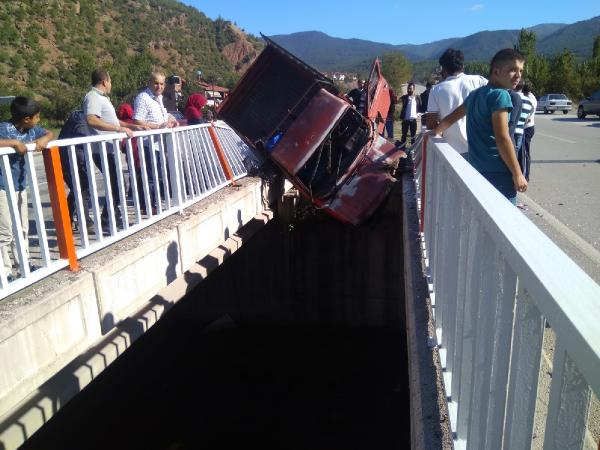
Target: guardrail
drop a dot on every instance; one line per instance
(154, 174)
(495, 279)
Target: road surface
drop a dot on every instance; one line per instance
(563, 198)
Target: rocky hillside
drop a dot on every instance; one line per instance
(49, 47)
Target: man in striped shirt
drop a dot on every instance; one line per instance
(526, 112)
(529, 131)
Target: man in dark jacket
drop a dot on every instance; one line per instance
(355, 94)
(411, 105)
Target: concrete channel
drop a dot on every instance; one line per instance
(297, 341)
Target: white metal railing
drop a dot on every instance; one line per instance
(494, 281)
(135, 181)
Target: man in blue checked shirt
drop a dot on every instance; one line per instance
(21, 129)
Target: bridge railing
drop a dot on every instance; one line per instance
(116, 186)
(495, 280)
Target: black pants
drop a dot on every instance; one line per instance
(406, 124)
(114, 185)
(525, 152)
(81, 170)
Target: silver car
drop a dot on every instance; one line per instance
(590, 105)
(554, 102)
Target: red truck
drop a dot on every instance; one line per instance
(291, 113)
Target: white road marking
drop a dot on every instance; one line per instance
(557, 138)
(582, 245)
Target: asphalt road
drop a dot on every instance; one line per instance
(563, 198)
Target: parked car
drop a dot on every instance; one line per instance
(589, 105)
(554, 102)
(292, 114)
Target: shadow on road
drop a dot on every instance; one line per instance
(565, 161)
(593, 122)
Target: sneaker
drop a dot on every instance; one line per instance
(33, 267)
(10, 278)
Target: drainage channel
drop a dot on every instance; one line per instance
(297, 341)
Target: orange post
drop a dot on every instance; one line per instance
(221, 154)
(423, 175)
(60, 209)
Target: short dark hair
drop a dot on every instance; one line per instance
(452, 61)
(98, 76)
(504, 56)
(526, 87)
(410, 84)
(23, 107)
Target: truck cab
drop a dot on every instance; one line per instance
(292, 114)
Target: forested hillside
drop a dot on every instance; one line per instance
(48, 48)
(330, 53)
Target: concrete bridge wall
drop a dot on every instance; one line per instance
(58, 335)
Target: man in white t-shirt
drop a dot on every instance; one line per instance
(448, 95)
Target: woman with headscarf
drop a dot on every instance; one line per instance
(193, 108)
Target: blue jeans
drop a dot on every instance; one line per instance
(504, 183)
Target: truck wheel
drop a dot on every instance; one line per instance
(580, 113)
(565, 111)
(552, 112)
(545, 110)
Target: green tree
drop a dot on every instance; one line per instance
(596, 51)
(396, 69)
(564, 77)
(526, 45)
(538, 74)
(478, 68)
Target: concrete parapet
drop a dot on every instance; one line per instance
(58, 335)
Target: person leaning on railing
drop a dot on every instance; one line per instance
(491, 151)
(149, 111)
(102, 118)
(22, 128)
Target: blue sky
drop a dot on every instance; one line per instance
(394, 21)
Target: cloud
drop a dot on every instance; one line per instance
(476, 7)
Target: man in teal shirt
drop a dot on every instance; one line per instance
(491, 151)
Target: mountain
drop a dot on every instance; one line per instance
(329, 53)
(48, 48)
(578, 37)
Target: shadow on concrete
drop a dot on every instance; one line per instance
(173, 262)
(55, 393)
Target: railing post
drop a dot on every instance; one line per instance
(423, 179)
(60, 209)
(176, 176)
(221, 154)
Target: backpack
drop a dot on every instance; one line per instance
(75, 126)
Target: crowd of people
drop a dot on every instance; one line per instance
(97, 116)
(489, 122)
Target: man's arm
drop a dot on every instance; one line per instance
(506, 149)
(19, 146)
(42, 143)
(433, 119)
(99, 124)
(450, 119)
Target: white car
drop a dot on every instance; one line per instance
(554, 102)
